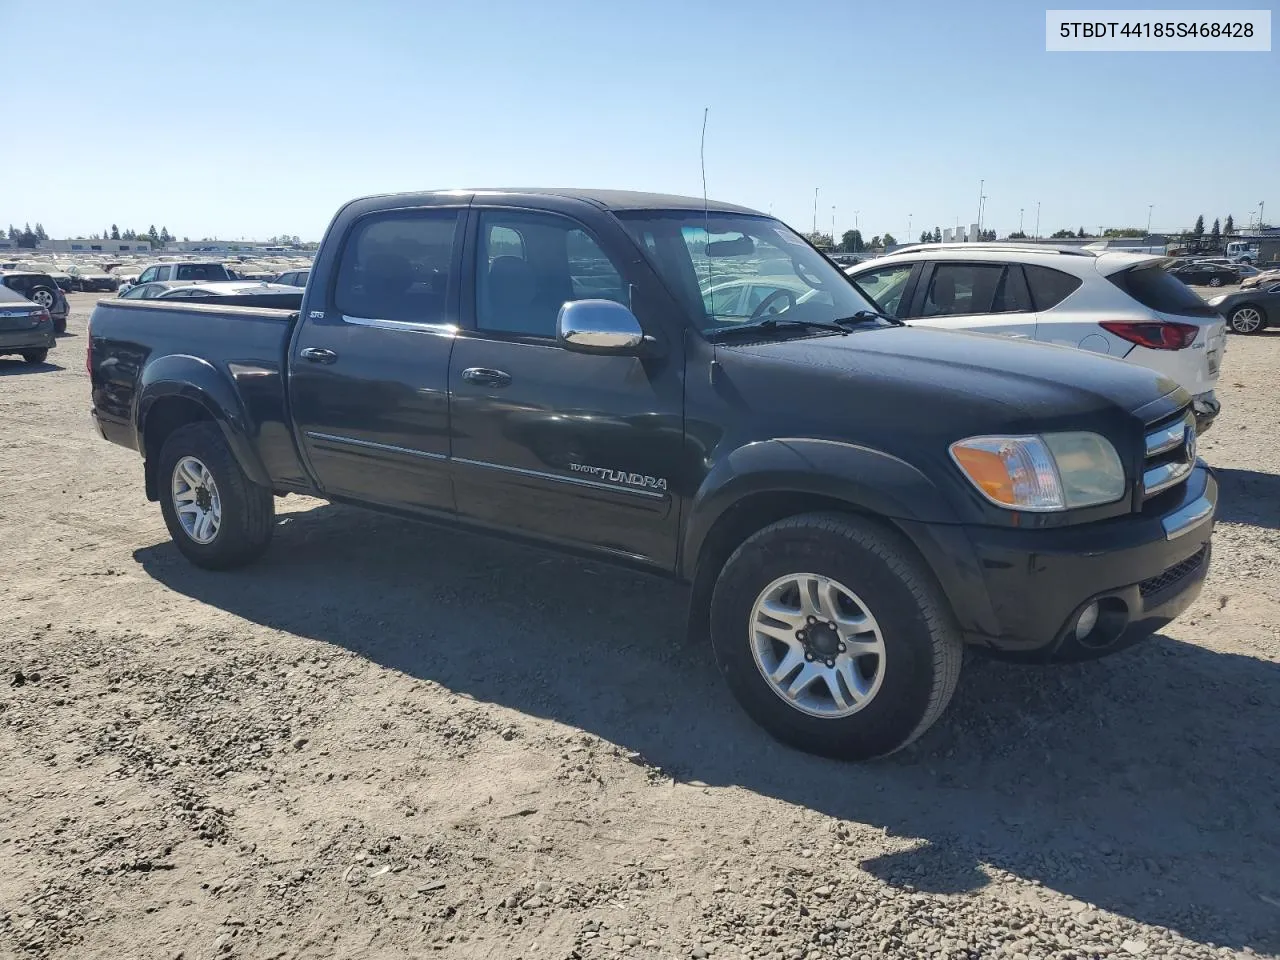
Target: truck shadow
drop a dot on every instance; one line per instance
(1249, 496)
(1144, 784)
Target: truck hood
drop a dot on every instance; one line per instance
(954, 384)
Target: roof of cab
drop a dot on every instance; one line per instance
(605, 199)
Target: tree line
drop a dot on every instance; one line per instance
(29, 236)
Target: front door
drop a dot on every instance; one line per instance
(369, 371)
(981, 297)
(578, 448)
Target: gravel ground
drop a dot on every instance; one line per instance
(385, 741)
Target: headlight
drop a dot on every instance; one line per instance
(1054, 471)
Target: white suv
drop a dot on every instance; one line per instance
(1120, 304)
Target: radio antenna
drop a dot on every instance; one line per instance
(706, 212)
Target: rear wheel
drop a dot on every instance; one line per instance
(216, 515)
(1215, 281)
(43, 296)
(1246, 319)
(35, 356)
(834, 637)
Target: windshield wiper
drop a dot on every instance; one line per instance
(774, 324)
(862, 316)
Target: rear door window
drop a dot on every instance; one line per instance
(162, 273)
(1049, 287)
(1156, 289)
(399, 266)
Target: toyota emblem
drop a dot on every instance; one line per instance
(1189, 443)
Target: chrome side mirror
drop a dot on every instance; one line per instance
(599, 326)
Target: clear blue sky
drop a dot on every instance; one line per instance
(249, 119)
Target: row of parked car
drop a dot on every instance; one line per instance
(34, 306)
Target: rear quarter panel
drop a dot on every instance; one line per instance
(230, 360)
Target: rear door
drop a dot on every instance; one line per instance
(369, 367)
(567, 446)
(980, 297)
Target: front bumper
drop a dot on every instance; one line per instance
(1019, 592)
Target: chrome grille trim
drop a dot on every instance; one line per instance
(1166, 438)
(1164, 476)
(1167, 463)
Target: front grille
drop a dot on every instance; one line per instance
(1170, 453)
(1174, 575)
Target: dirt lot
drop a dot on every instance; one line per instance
(384, 741)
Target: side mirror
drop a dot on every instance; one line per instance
(599, 326)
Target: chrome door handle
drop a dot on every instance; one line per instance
(318, 354)
(484, 376)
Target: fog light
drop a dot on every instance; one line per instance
(1087, 620)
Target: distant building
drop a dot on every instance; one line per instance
(83, 246)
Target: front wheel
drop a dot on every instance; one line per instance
(1215, 281)
(1246, 319)
(216, 515)
(834, 637)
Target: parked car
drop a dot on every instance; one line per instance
(1205, 274)
(26, 328)
(42, 289)
(850, 500)
(1250, 311)
(1122, 305)
(293, 278)
(192, 272)
(227, 293)
(1263, 278)
(91, 279)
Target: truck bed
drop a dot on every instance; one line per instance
(144, 353)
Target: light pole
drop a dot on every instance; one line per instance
(1020, 219)
(1261, 204)
(1149, 208)
(909, 216)
(1037, 219)
(815, 211)
(833, 225)
(981, 184)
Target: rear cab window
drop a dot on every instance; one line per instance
(1157, 289)
(399, 266)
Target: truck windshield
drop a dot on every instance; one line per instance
(732, 269)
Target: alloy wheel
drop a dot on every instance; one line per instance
(817, 645)
(196, 500)
(1246, 320)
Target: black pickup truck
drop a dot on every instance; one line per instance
(691, 389)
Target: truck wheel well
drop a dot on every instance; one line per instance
(751, 513)
(163, 418)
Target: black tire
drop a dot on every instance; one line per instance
(35, 356)
(1215, 281)
(1238, 311)
(923, 648)
(248, 510)
(59, 325)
